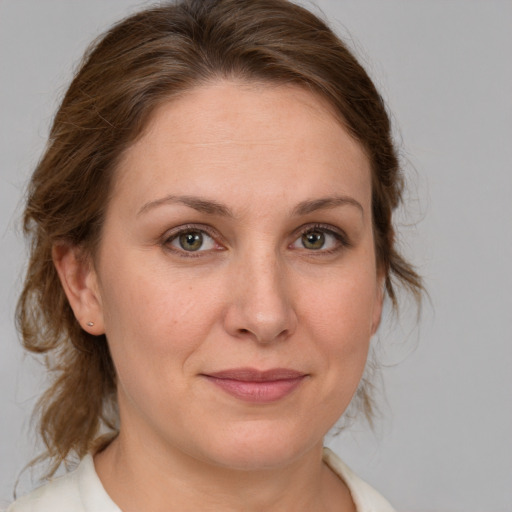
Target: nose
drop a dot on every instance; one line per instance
(261, 304)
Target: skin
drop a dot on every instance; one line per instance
(264, 165)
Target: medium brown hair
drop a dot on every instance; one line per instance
(141, 62)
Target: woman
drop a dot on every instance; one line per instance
(211, 246)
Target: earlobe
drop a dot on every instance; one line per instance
(80, 284)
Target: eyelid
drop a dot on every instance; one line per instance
(171, 235)
(339, 234)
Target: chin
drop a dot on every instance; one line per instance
(258, 448)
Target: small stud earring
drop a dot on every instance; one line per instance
(90, 324)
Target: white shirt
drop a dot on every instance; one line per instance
(82, 491)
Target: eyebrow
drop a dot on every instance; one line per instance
(201, 205)
(212, 207)
(326, 203)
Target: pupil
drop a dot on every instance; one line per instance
(313, 240)
(191, 241)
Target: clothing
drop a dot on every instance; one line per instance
(82, 491)
(366, 498)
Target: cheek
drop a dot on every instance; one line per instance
(153, 333)
(341, 334)
(154, 318)
(343, 307)
(340, 318)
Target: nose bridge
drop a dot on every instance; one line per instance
(262, 306)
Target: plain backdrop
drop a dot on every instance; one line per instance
(443, 442)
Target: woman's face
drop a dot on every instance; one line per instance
(236, 278)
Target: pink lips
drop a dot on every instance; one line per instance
(257, 386)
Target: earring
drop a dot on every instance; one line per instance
(90, 324)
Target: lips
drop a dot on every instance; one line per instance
(257, 386)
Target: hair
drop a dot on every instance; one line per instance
(141, 62)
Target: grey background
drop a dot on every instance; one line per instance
(444, 440)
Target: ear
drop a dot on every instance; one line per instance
(379, 302)
(80, 284)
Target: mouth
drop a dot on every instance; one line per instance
(257, 386)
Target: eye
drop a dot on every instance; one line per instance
(313, 240)
(319, 239)
(191, 240)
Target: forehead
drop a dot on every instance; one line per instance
(248, 137)
(232, 109)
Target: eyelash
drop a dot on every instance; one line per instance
(340, 237)
(189, 228)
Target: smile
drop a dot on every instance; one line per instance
(257, 386)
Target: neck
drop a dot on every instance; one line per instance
(148, 479)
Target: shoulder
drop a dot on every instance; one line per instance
(57, 495)
(366, 498)
(77, 491)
